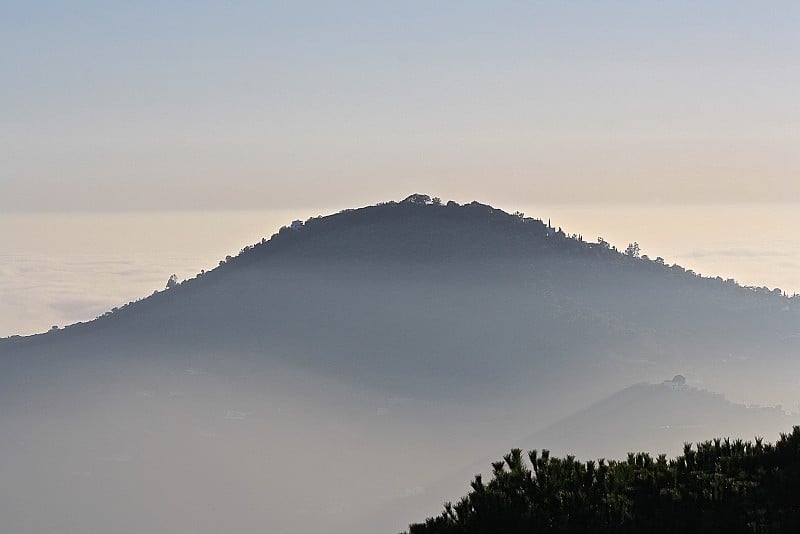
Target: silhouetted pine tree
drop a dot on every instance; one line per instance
(717, 486)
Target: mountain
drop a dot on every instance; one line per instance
(427, 300)
(659, 419)
(371, 351)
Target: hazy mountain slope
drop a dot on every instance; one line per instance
(431, 301)
(657, 418)
(351, 361)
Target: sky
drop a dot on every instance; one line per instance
(112, 106)
(629, 120)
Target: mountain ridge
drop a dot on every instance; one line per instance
(420, 297)
(379, 232)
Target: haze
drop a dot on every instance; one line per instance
(340, 350)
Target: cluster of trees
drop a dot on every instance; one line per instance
(718, 486)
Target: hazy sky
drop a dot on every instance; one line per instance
(233, 105)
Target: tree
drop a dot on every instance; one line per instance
(721, 485)
(679, 380)
(172, 282)
(417, 198)
(633, 250)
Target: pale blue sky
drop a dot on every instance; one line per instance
(234, 105)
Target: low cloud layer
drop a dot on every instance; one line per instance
(37, 292)
(58, 269)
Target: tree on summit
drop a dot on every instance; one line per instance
(633, 250)
(172, 282)
(418, 199)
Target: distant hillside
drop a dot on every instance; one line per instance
(658, 418)
(429, 299)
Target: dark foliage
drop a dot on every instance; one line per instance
(717, 486)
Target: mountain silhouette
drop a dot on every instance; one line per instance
(352, 359)
(426, 299)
